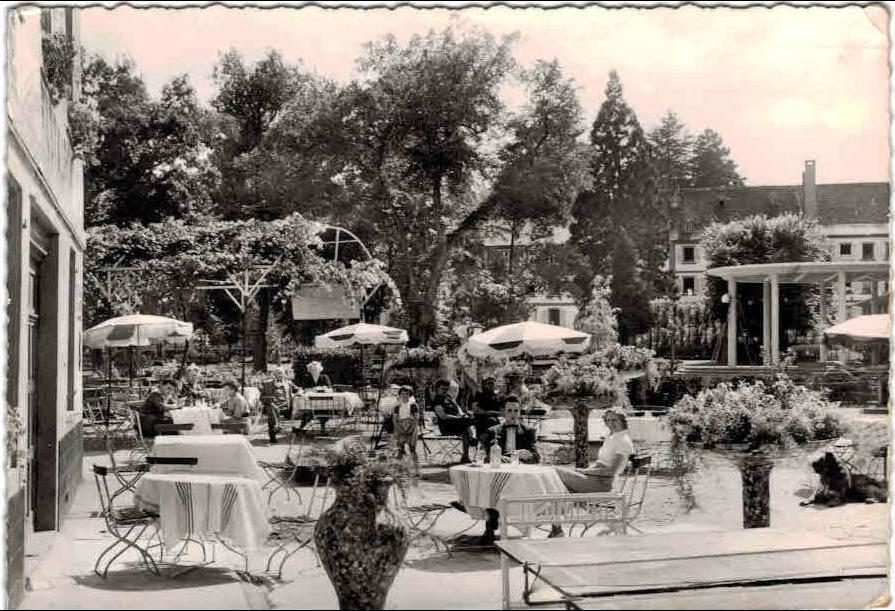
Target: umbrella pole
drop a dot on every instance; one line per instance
(242, 336)
(109, 404)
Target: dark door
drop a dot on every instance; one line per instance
(31, 441)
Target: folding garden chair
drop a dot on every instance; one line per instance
(281, 475)
(127, 525)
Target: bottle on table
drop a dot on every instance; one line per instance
(495, 454)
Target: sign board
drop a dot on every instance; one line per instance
(323, 302)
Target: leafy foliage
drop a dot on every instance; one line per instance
(58, 53)
(711, 165)
(586, 376)
(597, 316)
(756, 415)
(363, 475)
(685, 323)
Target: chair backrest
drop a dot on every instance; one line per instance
(634, 483)
(173, 460)
(608, 508)
(135, 417)
(173, 429)
(321, 402)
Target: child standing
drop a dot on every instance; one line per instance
(406, 419)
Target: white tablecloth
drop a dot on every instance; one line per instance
(217, 454)
(341, 401)
(481, 487)
(200, 505)
(200, 417)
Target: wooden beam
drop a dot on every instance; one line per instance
(766, 322)
(843, 302)
(824, 320)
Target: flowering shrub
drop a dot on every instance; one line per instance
(586, 376)
(362, 474)
(422, 356)
(625, 358)
(14, 429)
(754, 414)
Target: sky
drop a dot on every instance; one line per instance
(781, 85)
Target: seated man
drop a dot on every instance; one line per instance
(514, 439)
(155, 407)
(453, 420)
(487, 408)
(611, 461)
(234, 404)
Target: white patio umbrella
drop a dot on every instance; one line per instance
(137, 330)
(361, 334)
(527, 338)
(870, 328)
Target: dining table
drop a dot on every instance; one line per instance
(200, 416)
(198, 507)
(481, 486)
(216, 454)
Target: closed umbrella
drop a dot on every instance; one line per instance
(527, 338)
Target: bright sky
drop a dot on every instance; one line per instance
(780, 85)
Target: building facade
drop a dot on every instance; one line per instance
(853, 216)
(44, 254)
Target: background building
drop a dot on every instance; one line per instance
(45, 245)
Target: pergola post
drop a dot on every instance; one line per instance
(732, 323)
(766, 322)
(843, 303)
(824, 319)
(874, 289)
(775, 319)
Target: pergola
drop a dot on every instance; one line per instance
(771, 275)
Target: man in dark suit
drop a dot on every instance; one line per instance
(513, 437)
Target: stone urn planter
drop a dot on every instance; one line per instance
(580, 408)
(361, 543)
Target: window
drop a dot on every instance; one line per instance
(845, 250)
(689, 285)
(689, 254)
(553, 316)
(867, 251)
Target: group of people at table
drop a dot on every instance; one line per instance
(496, 419)
(186, 388)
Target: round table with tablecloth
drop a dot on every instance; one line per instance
(200, 506)
(218, 454)
(481, 487)
(343, 402)
(201, 417)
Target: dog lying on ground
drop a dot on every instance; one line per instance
(839, 485)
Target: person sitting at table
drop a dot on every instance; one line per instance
(487, 408)
(154, 408)
(453, 420)
(315, 376)
(405, 423)
(234, 404)
(514, 439)
(191, 388)
(284, 389)
(611, 460)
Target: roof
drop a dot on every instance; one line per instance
(840, 203)
(847, 203)
(803, 273)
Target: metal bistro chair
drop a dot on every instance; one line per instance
(126, 524)
(281, 475)
(527, 513)
(632, 485)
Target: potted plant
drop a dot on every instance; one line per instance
(588, 384)
(754, 423)
(361, 543)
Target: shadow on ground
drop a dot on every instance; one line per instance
(137, 579)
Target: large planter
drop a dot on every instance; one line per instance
(580, 407)
(361, 545)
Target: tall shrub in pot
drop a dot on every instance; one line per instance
(753, 424)
(361, 543)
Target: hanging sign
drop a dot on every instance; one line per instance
(324, 302)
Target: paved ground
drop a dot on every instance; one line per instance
(63, 578)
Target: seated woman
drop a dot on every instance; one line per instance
(154, 408)
(191, 388)
(315, 376)
(611, 460)
(453, 420)
(234, 404)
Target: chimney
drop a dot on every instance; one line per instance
(809, 190)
